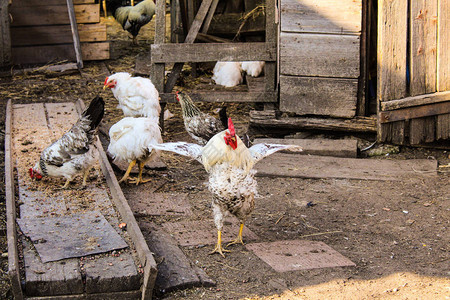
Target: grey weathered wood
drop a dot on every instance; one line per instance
(216, 96)
(443, 127)
(167, 53)
(422, 130)
(319, 55)
(309, 166)
(268, 120)
(319, 96)
(398, 132)
(5, 35)
(129, 295)
(322, 147)
(175, 21)
(362, 104)
(270, 68)
(330, 16)
(101, 274)
(13, 256)
(414, 112)
(209, 16)
(145, 256)
(75, 36)
(190, 38)
(51, 278)
(416, 101)
(443, 51)
(175, 270)
(423, 45)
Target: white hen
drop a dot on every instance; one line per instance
(227, 73)
(253, 68)
(131, 140)
(137, 96)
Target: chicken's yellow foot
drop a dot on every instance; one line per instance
(127, 173)
(218, 248)
(139, 179)
(66, 184)
(239, 237)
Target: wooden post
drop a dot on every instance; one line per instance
(76, 38)
(270, 69)
(5, 35)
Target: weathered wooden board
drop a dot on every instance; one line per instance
(214, 96)
(422, 130)
(330, 16)
(202, 52)
(443, 51)
(53, 2)
(52, 14)
(56, 34)
(175, 270)
(309, 166)
(423, 40)
(318, 96)
(95, 51)
(414, 112)
(319, 55)
(323, 147)
(416, 101)
(5, 34)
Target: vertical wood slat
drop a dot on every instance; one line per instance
(5, 35)
(423, 49)
(391, 53)
(443, 56)
(422, 130)
(75, 36)
(443, 127)
(13, 256)
(270, 68)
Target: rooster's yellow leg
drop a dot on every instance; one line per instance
(85, 175)
(139, 179)
(239, 237)
(219, 248)
(127, 173)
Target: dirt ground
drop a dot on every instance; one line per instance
(395, 232)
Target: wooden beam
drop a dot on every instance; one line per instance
(218, 97)
(416, 101)
(414, 112)
(5, 34)
(168, 53)
(75, 37)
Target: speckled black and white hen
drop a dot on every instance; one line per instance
(200, 126)
(74, 153)
(232, 182)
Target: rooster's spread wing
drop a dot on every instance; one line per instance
(182, 148)
(260, 151)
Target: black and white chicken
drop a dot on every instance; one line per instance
(74, 153)
(200, 126)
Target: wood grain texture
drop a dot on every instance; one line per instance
(416, 101)
(392, 34)
(168, 53)
(331, 16)
(422, 130)
(423, 48)
(443, 56)
(319, 55)
(5, 35)
(318, 96)
(414, 112)
(443, 127)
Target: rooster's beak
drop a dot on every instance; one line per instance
(104, 87)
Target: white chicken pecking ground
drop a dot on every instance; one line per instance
(131, 140)
(232, 182)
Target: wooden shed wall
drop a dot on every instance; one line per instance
(413, 71)
(41, 33)
(320, 57)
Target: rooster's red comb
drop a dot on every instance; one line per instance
(231, 127)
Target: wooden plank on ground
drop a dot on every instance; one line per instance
(175, 270)
(423, 54)
(318, 96)
(322, 147)
(331, 16)
(443, 51)
(319, 55)
(309, 166)
(52, 14)
(201, 52)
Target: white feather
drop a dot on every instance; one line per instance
(253, 68)
(227, 73)
(137, 96)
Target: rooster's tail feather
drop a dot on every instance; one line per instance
(95, 111)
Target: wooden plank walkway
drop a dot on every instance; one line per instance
(123, 274)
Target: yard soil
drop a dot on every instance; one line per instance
(394, 231)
